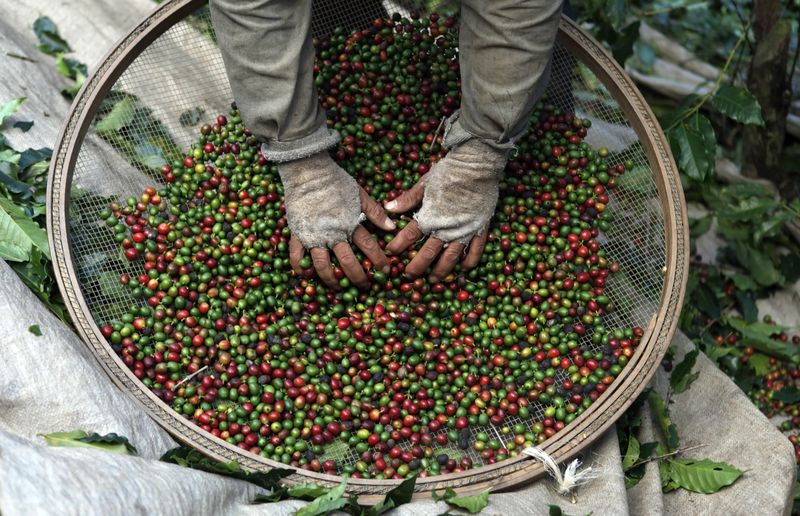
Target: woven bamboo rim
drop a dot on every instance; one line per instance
(565, 445)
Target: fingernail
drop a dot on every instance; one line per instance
(386, 269)
(433, 279)
(390, 223)
(391, 205)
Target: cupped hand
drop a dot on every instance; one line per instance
(324, 207)
(448, 257)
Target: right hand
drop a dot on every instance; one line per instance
(324, 205)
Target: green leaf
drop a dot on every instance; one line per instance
(121, 115)
(622, 47)
(748, 208)
(647, 449)
(70, 68)
(38, 276)
(758, 264)
(738, 104)
(15, 245)
(772, 226)
(706, 300)
(10, 107)
(50, 42)
(111, 439)
(23, 125)
(191, 458)
(109, 283)
(747, 305)
(617, 12)
(790, 267)
(34, 328)
(449, 494)
(631, 454)
(744, 282)
(639, 180)
(645, 56)
(80, 439)
(473, 503)
(694, 144)
(395, 497)
(759, 336)
(73, 90)
(30, 157)
(330, 501)
(191, 117)
(702, 476)
(673, 116)
(18, 188)
(682, 376)
(665, 471)
(307, 491)
(760, 365)
(789, 395)
(699, 227)
(27, 233)
(661, 414)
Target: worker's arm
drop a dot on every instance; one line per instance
(505, 49)
(269, 57)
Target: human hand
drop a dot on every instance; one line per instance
(458, 197)
(324, 207)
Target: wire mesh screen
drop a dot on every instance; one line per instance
(153, 114)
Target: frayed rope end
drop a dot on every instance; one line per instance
(571, 479)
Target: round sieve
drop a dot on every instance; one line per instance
(166, 78)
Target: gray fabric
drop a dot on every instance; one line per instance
(461, 192)
(53, 383)
(715, 413)
(505, 49)
(320, 140)
(322, 200)
(504, 53)
(268, 54)
(36, 479)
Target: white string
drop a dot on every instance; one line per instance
(571, 479)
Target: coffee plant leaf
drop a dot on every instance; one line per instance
(395, 497)
(10, 107)
(328, 502)
(309, 491)
(737, 103)
(682, 376)
(694, 144)
(80, 439)
(50, 41)
(702, 476)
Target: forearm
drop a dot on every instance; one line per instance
(269, 57)
(505, 49)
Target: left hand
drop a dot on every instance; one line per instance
(458, 198)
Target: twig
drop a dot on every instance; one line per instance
(713, 89)
(794, 60)
(189, 377)
(741, 20)
(21, 57)
(670, 454)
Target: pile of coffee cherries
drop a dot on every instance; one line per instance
(777, 393)
(407, 377)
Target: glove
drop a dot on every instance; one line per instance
(324, 208)
(458, 196)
